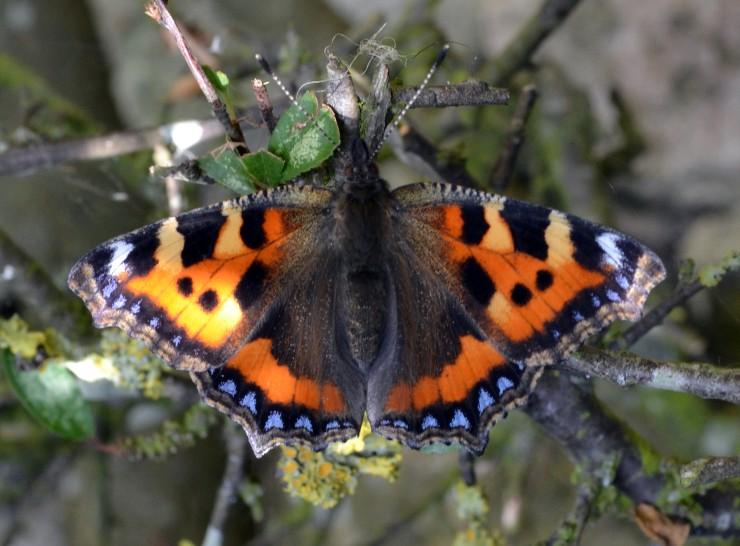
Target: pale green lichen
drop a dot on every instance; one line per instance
(472, 508)
(710, 275)
(324, 478)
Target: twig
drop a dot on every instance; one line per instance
(417, 152)
(44, 304)
(592, 436)
(181, 134)
(519, 52)
(236, 446)
(504, 166)
(710, 470)
(700, 379)
(469, 93)
(393, 530)
(157, 10)
(656, 315)
(571, 530)
(263, 103)
(466, 460)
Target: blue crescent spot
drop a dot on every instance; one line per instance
(274, 420)
(228, 386)
(429, 422)
(331, 425)
(484, 400)
(622, 281)
(154, 322)
(459, 420)
(120, 302)
(304, 422)
(612, 295)
(176, 340)
(595, 301)
(400, 424)
(503, 384)
(249, 401)
(555, 334)
(109, 288)
(136, 307)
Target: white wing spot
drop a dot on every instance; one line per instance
(612, 254)
(117, 263)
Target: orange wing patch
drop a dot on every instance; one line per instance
(473, 364)
(257, 365)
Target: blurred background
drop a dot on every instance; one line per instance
(637, 126)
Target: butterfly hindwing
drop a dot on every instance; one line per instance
(218, 291)
(489, 289)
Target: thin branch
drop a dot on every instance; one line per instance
(656, 315)
(181, 134)
(570, 531)
(157, 10)
(469, 93)
(43, 303)
(529, 38)
(416, 151)
(506, 161)
(236, 446)
(592, 437)
(466, 460)
(263, 103)
(699, 379)
(710, 470)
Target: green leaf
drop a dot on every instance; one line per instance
(227, 169)
(52, 396)
(265, 167)
(304, 137)
(218, 79)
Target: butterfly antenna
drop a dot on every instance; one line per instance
(397, 120)
(274, 77)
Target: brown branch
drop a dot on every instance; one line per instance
(506, 161)
(469, 93)
(157, 10)
(592, 437)
(29, 159)
(236, 447)
(529, 38)
(264, 104)
(699, 379)
(417, 152)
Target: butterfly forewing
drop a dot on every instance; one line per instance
(221, 292)
(489, 289)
